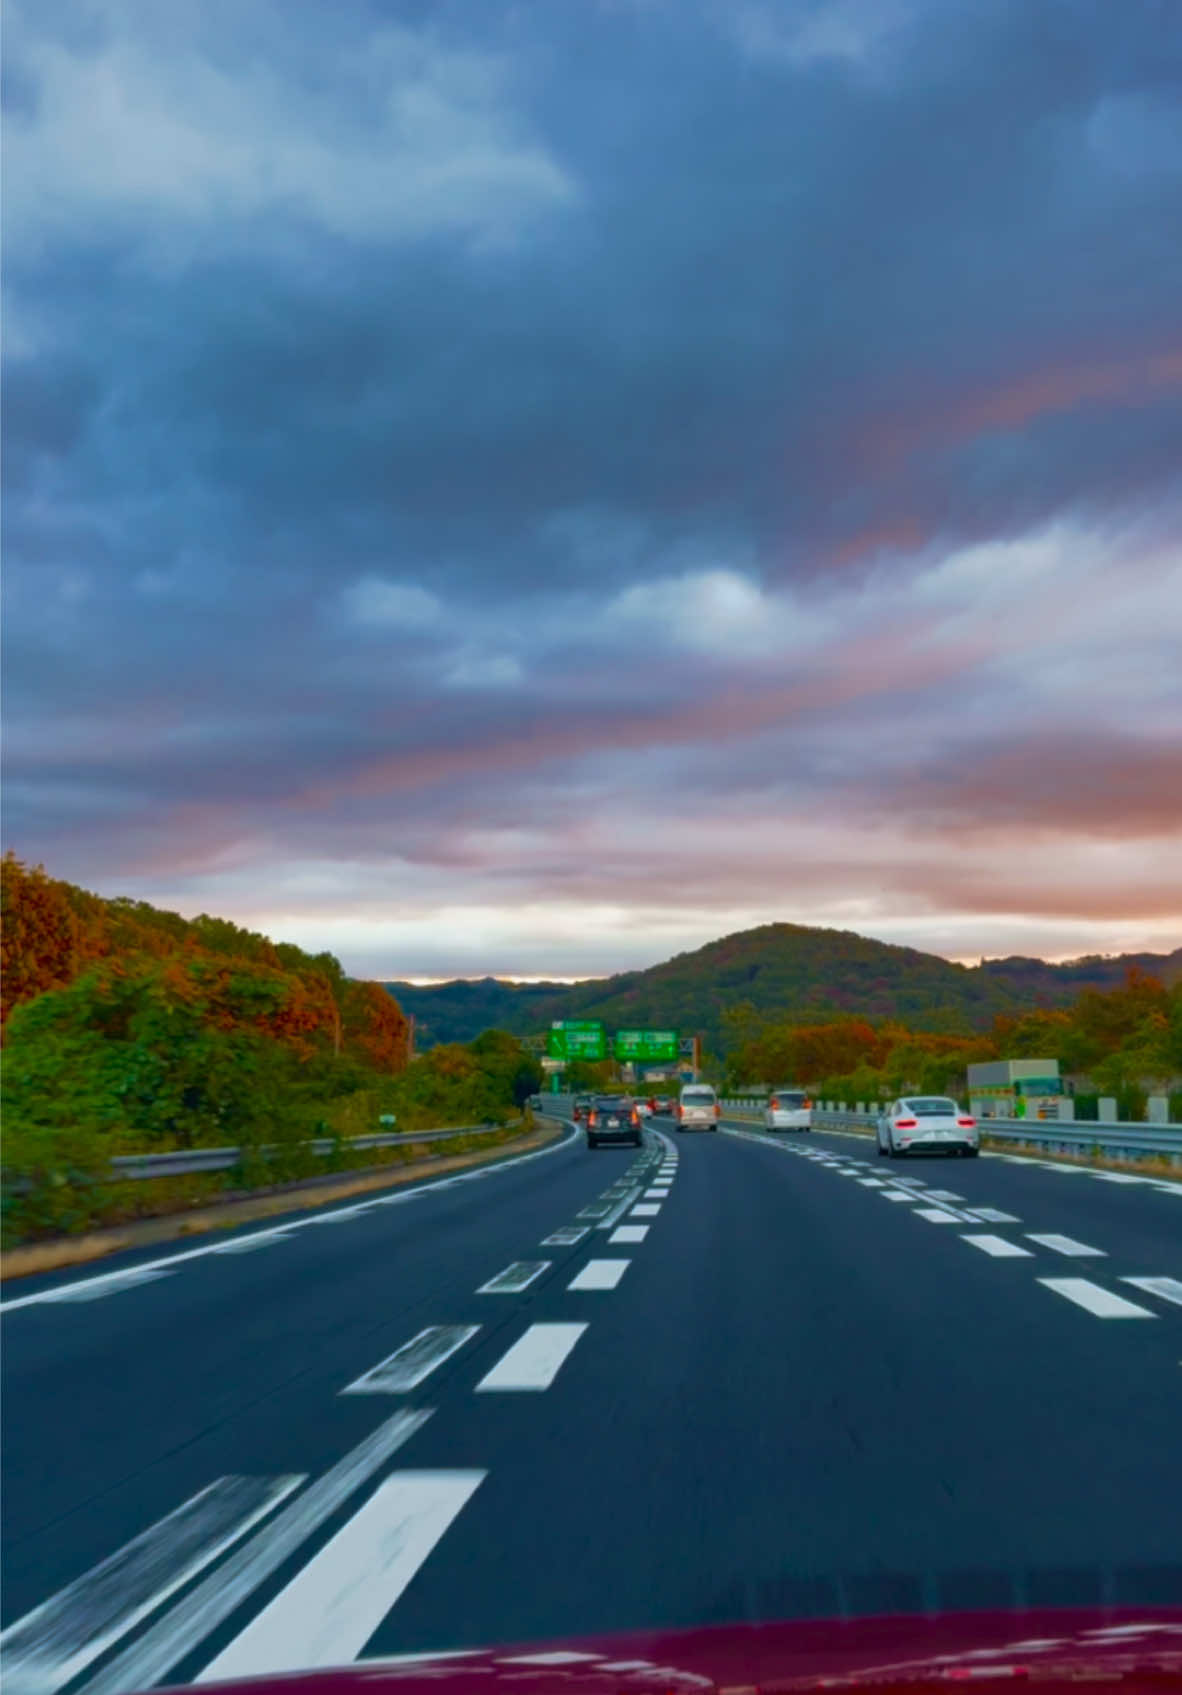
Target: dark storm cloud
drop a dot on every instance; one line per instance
(376, 386)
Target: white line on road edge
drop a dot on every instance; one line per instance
(98, 1288)
(328, 1612)
(998, 1247)
(408, 1365)
(515, 1277)
(628, 1233)
(67, 1633)
(1094, 1299)
(534, 1360)
(600, 1274)
(1066, 1245)
(166, 1263)
(145, 1661)
(1168, 1288)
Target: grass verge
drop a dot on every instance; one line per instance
(230, 1211)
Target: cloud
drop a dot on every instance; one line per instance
(679, 465)
(410, 137)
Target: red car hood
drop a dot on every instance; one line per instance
(1132, 1650)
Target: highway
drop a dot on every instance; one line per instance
(726, 1377)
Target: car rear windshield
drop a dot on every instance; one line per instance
(932, 1106)
(614, 1103)
(790, 1097)
(697, 1097)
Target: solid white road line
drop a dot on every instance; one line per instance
(645, 1209)
(1167, 1288)
(67, 1633)
(998, 1247)
(534, 1360)
(166, 1263)
(990, 1215)
(628, 1233)
(600, 1274)
(98, 1288)
(566, 1237)
(515, 1277)
(937, 1215)
(408, 1365)
(331, 1608)
(248, 1244)
(146, 1659)
(1094, 1299)
(1066, 1245)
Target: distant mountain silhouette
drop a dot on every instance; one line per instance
(779, 971)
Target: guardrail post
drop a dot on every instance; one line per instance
(1066, 1111)
(1157, 1109)
(1107, 1109)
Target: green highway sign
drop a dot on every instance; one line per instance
(645, 1047)
(577, 1038)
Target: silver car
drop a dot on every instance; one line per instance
(927, 1124)
(698, 1108)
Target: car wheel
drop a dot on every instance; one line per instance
(893, 1152)
(881, 1151)
(972, 1152)
(636, 1142)
(591, 1142)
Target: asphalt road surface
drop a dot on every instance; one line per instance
(726, 1377)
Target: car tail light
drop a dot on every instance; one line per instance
(635, 1116)
(806, 1105)
(592, 1118)
(967, 1123)
(774, 1104)
(717, 1110)
(907, 1124)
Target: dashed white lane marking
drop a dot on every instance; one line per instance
(1168, 1288)
(628, 1233)
(415, 1360)
(1102, 1302)
(328, 1612)
(600, 1274)
(618, 1211)
(937, 1215)
(515, 1277)
(871, 1183)
(67, 1633)
(1065, 1245)
(655, 1194)
(998, 1247)
(897, 1195)
(944, 1195)
(534, 1360)
(991, 1215)
(145, 1660)
(566, 1237)
(645, 1210)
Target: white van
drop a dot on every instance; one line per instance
(788, 1109)
(698, 1108)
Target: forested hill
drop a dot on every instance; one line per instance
(776, 971)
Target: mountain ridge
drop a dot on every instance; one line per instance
(790, 972)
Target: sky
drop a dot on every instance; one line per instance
(529, 488)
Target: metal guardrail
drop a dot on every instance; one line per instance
(188, 1161)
